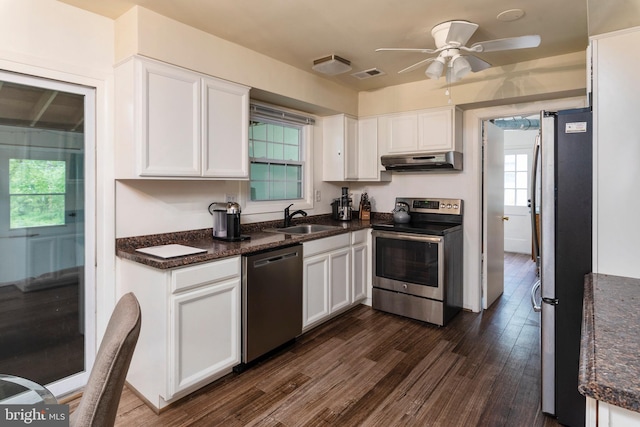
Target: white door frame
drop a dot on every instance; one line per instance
(78, 380)
(474, 119)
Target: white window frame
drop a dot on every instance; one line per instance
(516, 152)
(269, 206)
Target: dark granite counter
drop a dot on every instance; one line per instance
(260, 240)
(610, 348)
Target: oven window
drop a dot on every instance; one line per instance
(407, 261)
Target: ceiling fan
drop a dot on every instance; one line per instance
(451, 38)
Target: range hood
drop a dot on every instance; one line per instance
(423, 162)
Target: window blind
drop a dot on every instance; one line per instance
(258, 112)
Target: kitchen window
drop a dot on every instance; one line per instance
(279, 146)
(277, 162)
(516, 175)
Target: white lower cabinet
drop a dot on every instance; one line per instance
(315, 277)
(602, 414)
(190, 333)
(334, 275)
(204, 334)
(360, 255)
(340, 283)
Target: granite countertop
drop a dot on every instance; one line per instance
(610, 347)
(259, 240)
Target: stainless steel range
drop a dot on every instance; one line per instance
(417, 269)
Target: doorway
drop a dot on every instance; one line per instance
(47, 321)
(513, 140)
(492, 252)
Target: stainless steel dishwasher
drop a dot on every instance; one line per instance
(271, 300)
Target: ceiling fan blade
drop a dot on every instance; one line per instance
(522, 42)
(405, 49)
(476, 63)
(460, 32)
(416, 65)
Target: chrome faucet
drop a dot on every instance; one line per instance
(288, 216)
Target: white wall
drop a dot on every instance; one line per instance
(545, 78)
(616, 154)
(144, 32)
(152, 207)
(49, 39)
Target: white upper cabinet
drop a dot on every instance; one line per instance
(350, 149)
(424, 131)
(226, 129)
(340, 152)
(175, 123)
(402, 133)
(369, 166)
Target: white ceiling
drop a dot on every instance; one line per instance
(298, 31)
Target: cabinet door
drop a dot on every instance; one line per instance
(340, 282)
(368, 159)
(402, 136)
(225, 129)
(315, 295)
(360, 261)
(435, 130)
(170, 123)
(351, 170)
(339, 148)
(204, 336)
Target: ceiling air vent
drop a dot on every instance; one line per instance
(371, 72)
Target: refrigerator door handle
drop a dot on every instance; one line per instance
(532, 200)
(537, 307)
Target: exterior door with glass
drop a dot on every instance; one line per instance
(46, 223)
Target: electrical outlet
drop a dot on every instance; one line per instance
(230, 197)
(318, 196)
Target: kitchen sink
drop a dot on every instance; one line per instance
(304, 229)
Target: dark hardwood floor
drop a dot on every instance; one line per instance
(40, 335)
(368, 368)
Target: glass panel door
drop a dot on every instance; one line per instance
(45, 335)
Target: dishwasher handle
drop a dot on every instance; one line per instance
(272, 260)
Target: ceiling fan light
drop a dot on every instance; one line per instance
(460, 67)
(434, 71)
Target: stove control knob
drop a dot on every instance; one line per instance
(404, 286)
(442, 206)
(455, 206)
(448, 205)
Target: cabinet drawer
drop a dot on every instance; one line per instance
(359, 236)
(191, 277)
(327, 244)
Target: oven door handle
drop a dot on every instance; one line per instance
(407, 236)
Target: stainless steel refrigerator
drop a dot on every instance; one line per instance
(563, 162)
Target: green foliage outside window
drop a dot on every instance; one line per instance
(37, 192)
